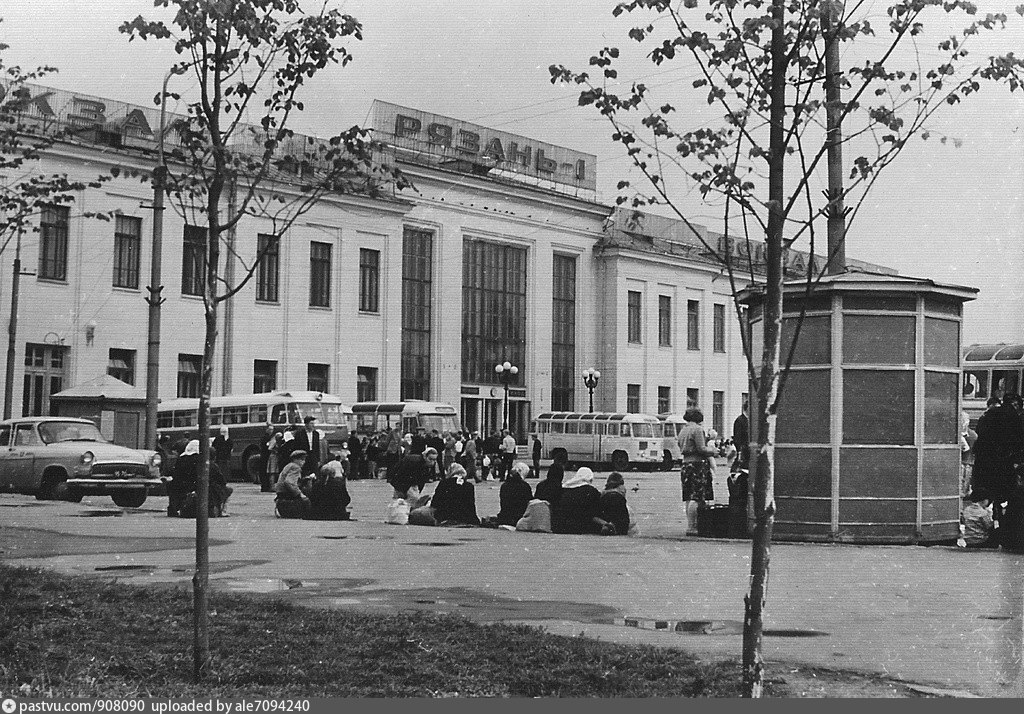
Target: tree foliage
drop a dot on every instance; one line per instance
(234, 156)
(767, 114)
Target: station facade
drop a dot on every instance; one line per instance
(502, 252)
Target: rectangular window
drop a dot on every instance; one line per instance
(417, 268)
(127, 243)
(693, 324)
(664, 321)
(268, 273)
(369, 280)
(366, 384)
(718, 412)
(53, 243)
(319, 274)
(264, 375)
(121, 365)
(190, 372)
(563, 331)
(317, 377)
(692, 398)
(44, 376)
(664, 400)
(719, 318)
(633, 398)
(493, 310)
(193, 260)
(633, 316)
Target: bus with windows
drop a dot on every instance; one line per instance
(601, 438)
(374, 417)
(990, 370)
(247, 417)
(671, 424)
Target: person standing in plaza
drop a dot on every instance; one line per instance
(741, 439)
(221, 448)
(695, 475)
(469, 460)
(537, 447)
(508, 452)
(307, 439)
(355, 456)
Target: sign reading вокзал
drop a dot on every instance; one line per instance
(454, 139)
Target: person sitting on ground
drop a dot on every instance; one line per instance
(219, 492)
(551, 487)
(412, 473)
(292, 501)
(328, 496)
(186, 475)
(978, 524)
(613, 503)
(578, 510)
(454, 500)
(514, 496)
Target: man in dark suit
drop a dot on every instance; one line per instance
(308, 440)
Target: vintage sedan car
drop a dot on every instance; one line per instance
(63, 458)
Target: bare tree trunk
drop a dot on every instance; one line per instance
(763, 472)
(201, 579)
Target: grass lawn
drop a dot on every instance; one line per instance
(86, 637)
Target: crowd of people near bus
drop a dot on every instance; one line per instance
(309, 478)
(992, 482)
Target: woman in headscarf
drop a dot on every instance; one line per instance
(515, 495)
(613, 503)
(579, 507)
(454, 499)
(186, 475)
(329, 497)
(551, 487)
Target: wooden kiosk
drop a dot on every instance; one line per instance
(867, 444)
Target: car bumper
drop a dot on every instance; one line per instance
(105, 485)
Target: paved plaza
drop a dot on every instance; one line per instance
(938, 616)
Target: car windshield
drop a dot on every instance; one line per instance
(325, 414)
(53, 431)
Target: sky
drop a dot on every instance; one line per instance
(951, 212)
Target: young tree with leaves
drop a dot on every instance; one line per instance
(757, 150)
(250, 56)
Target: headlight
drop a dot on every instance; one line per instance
(155, 460)
(87, 458)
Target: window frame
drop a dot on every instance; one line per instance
(369, 280)
(259, 378)
(664, 320)
(634, 317)
(320, 258)
(54, 222)
(185, 381)
(718, 337)
(129, 358)
(127, 249)
(693, 325)
(193, 259)
(268, 274)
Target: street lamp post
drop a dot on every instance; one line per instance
(590, 377)
(155, 288)
(506, 374)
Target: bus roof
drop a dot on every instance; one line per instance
(598, 416)
(237, 400)
(412, 405)
(1001, 352)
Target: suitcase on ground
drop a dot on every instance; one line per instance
(713, 520)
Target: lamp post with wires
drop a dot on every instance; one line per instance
(155, 288)
(506, 372)
(590, 377)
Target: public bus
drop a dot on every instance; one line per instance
(374, 417)
(247, 417)
(601, 438)
(671, 424)
(990, 370)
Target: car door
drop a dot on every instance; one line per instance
(5, 458)
(24, 447)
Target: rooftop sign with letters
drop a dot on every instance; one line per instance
(452, 140)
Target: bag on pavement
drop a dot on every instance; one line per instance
(397, 512)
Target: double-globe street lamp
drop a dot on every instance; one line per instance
(590, 377)
(506, 372)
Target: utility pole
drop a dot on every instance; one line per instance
(831, 18)
(12, 328)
